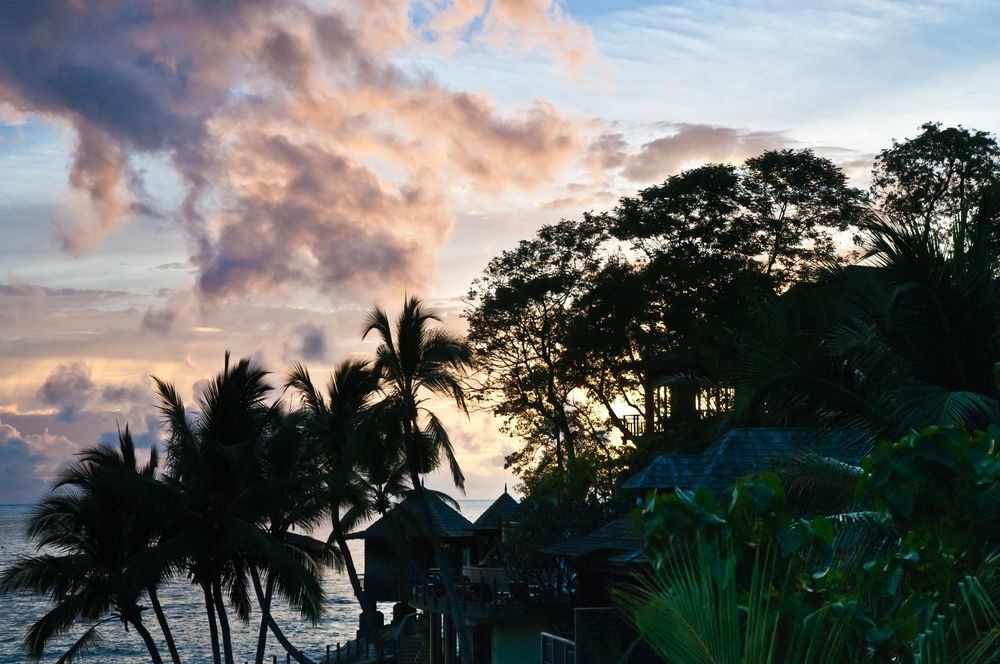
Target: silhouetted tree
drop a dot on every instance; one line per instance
(414, 360)
(937, 178)
(93, 529)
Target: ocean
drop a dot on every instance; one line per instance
(183, 605)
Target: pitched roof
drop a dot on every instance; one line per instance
(740, 452)
(737, 453)
(408, 518)
(503, 509)
(618, 536)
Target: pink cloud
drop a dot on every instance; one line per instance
(693, 144)
(309, 157)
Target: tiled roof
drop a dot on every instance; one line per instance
(503, 509)
(619, 536)
(408, 518)
(740, 452)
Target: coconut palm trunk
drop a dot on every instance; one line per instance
(161, 618)
(265, 611)
(268, 620)
(213, 628)
(220, 607)
(147, 638)
(443, 564)
(368, 605)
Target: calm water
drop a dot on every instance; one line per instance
(184, 607)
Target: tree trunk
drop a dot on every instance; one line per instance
(649, 405)
(367, 606)
(147, 638)
(443, 565)
(297, 654)
(265, 610)
(164, 627)
(220, 607)
(212, 626)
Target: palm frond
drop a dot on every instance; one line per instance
(88, 641)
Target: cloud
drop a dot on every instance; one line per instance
(308, 157)
(524, 24)
(309, 342)
(609, 151)
(692, 144)
(69, 388)
(18, 481)
(28, 464)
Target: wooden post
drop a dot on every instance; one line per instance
(274, 659)
(328, 653)
(338, 652)
(288, 658)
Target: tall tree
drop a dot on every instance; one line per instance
(797, 202)
(937, 177)
(92, 531)
(215, 462)
(520, 319)
(337, 423)
(414, 361)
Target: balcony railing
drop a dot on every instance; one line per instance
(635, 424)
(488, 598)
(557, 650)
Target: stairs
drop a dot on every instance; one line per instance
(412, 650)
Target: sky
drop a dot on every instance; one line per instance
(183, 177)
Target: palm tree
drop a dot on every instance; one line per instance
(292, 496)
(337, 424)
(414, 360)
(907, 340)
(95, 530)
(222, 537)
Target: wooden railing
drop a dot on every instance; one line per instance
(635, 424)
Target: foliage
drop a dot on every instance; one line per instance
(726, 581)
(90, 531)
(905, 341)
(520, 321)
(937, 178)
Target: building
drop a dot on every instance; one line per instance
(613, 552)
(740, 452)
(398, 550)
(503, 612)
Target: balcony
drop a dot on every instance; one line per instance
(488, 600)
(634, 424)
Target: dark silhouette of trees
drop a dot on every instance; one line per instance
(336, 423)
(93, 528)
(937, 178)
(414, 361)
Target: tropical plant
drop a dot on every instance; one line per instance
(221, 537)
(337, 424)
(91, 530)
(754, 581)
(905, 341)
(412, 362)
